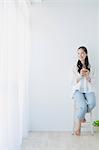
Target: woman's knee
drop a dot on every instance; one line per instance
(91, 101)
(91, 106)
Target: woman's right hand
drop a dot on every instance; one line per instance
(83, 72)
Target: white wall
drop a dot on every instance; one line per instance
(58, 30)
(98, 67)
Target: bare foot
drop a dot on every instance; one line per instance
(77, 127)
(77, 132)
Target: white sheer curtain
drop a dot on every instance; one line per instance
(15, 45)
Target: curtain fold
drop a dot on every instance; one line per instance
(15, 46)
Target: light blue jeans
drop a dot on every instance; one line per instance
(85, 102)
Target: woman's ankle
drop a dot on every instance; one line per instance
(83, 120)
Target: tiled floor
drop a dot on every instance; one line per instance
(60, 141)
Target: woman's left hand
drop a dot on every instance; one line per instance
(87, 75)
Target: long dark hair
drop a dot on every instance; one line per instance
(79, 64)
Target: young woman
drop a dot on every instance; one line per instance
(83, 87)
